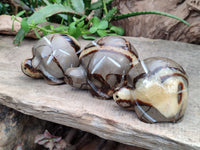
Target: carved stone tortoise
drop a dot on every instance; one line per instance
(104, 64)
(156, 90)
(52, 55)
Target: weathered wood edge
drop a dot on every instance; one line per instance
(79, 122)
(166, 143)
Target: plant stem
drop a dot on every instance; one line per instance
(46, 30)
(104, 7)
(123, 16)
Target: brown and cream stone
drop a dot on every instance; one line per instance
(52, 55)
(157, 90)
(104, 64)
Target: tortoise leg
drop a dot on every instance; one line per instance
(76, 77)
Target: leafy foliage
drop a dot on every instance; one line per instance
(5, 8)
(77, 18)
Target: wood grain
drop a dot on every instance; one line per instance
(78, 109)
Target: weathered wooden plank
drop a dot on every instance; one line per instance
(78, 109)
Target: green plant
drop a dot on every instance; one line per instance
(77, 18)
(4, 8)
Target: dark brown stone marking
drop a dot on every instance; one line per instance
(109, 50)
(121, 81)
(28, 65)
(127, 46)
(180, 94)
(143, 75)
(72, 43)
(105, 88)
(163, 78)
(53, 80)
(52, 38)
(58, 64)
(68, 80)
(99, 91)
(156, 115)
(132, 104)
(129, 106)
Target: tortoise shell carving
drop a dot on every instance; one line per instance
(104, 64)
(157, 90)
(52, 55)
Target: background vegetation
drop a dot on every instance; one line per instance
(74, 17)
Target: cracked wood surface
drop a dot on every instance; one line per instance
(75, 108)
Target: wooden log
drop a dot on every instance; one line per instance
(75, 108)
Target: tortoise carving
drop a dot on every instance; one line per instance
(104, 64)
(156, 90)
(52, 55)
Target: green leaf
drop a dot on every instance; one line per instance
(78, 6)
(20, 13)
(44, 32)
(48, 11)
(101, 33)
(47, 26)
(103, 24)
(51, 27)
(122, 16)
(37, 34)
(88, 37)
(57, 1)
(87, 6)
(41, 15)
(13, 24)
(60, 28)
(81, 24)
(24, 25)
(19, 37)
(77, 33)
(99, 4)
(73, 30)
(93, 29)
(118, 30)
(95, 21)
(87, 3)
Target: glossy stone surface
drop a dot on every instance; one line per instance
(104, 65)
(52, 55)
(157, 90)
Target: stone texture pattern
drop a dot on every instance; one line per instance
(75, 108)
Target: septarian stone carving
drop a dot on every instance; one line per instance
(104, 65)
(157, 90)
(52, 55)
